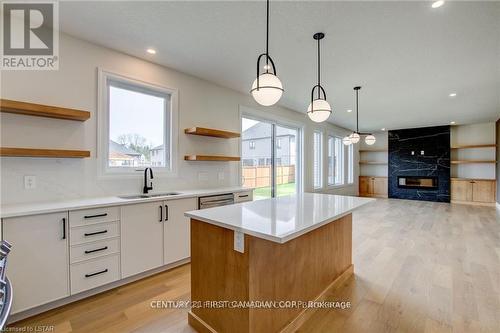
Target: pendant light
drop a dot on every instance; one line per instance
(356, 135)
(267, 88)
(319, 110)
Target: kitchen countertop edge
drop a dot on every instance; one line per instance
(34, 208)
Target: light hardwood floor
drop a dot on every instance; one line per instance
(419, 267)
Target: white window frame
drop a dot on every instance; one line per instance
(251, 113)
(350, 164)
(171, 136)
(320, 162)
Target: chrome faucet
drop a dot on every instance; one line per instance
(146, 188)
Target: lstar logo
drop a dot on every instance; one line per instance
(30, 36)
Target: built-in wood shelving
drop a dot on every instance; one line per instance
(213, 158)
(211, 132)
(472, 161)
(483, 179)
(36, 152)
(39, 110)
(373, 162)
(474, 146)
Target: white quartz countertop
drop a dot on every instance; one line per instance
(57, 206)
(281, 219)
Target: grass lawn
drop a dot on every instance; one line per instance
(265, 192)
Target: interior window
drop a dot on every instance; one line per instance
(139, 126)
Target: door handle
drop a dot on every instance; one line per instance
(96, 273)
(64, 228)
(95, 233)
(93, 216)
(166, 213)
(96, 250)
(161, 213)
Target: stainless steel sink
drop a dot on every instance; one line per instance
(163, 194)
(134, 196)
(145, 196)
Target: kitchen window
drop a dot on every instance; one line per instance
(335, 161)
(318, 160)
(350, 164)
(136, 126)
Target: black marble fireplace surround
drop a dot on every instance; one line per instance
(420, 152)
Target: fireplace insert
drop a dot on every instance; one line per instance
(418, 182)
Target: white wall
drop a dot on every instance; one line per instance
(74, 85)
(483, 133)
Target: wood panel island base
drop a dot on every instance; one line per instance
(295, 255)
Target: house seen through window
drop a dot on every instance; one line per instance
(139, 131)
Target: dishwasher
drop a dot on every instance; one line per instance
(215, 200)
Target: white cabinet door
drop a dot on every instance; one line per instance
(38, 265)
(176, 229)
(141, 237)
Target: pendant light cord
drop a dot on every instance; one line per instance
(267, 38)
(319, 71)
(357, 113)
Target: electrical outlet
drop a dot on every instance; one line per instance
(29, 182)
(239, 241)
(221, 175)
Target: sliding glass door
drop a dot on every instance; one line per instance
(269, 153)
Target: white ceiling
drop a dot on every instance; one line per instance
(407, 56)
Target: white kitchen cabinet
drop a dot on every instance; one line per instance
(176, 230)
(38, 264)
(141, 237)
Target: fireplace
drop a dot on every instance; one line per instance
(418, 182)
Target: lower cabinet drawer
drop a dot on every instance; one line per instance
(94, 250)
(94, 273)
(91, 233)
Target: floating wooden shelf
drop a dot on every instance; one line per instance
(472, 161)
(474, 146)
(214, 158)
(372, 162)
(35, 152)
(211, 132)
(373, 150)
(39, 110)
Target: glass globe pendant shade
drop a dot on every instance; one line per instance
(319, 110)
(346, 140)
(354, 137)
(370, 140)
(269, 91)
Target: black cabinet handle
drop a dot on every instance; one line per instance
(95, 233)
(93, 216)
(161, 213)
(64, 227)
(166, 213)
(96, 250)
(243, 196)
(96, 273)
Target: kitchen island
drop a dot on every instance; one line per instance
(284, 251)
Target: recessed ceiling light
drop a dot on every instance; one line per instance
(452, 94)
(452, 123)
(349, 110)
(151, 51)
(437, 4)
(383, 129)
